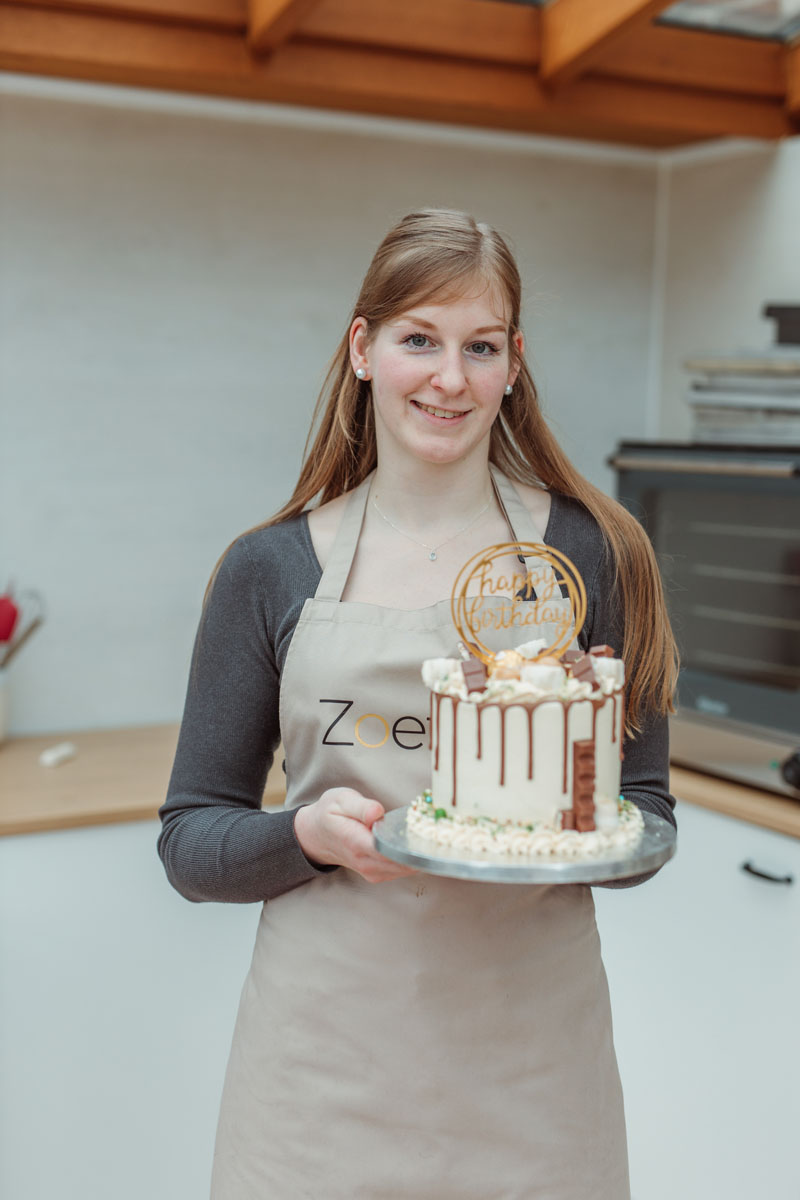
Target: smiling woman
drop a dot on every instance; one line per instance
(353, 1071)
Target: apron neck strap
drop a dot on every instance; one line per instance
(343, 551)
(520, 522)
(523, 528)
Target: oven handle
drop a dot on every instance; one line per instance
(704, 466)
(751, 870)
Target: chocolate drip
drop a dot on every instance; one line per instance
(437, 739)
(430, 725)
(529, 708)
(503, 710)
(455, 747)
(621, 725)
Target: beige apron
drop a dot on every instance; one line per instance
(427, 1037)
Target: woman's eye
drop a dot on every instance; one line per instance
(417, 341)
(420, 341)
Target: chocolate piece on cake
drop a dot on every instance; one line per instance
(474, 674)
(571, 656)
(583, 780)
(601, 651)
(583, 670)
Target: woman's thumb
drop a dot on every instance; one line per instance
(361, 808)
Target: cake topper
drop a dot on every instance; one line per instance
(542, 579)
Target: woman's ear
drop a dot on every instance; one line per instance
(358, 346)
(517, 348)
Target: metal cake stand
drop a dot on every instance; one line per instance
(393, 840)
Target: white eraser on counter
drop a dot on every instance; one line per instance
(53, 755)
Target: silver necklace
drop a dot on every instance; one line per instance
(432, 549)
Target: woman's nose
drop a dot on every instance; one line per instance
(449, 378)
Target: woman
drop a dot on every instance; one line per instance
(425, 1037)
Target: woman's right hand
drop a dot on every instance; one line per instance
(336, 830)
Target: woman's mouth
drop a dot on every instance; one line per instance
(443, 414)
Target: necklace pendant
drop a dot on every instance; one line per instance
(432, 555)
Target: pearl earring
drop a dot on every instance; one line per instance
(361, 373)
(509, 389)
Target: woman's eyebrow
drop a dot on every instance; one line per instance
(427, 324)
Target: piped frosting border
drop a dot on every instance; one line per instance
(484, 835)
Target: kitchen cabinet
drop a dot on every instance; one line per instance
(117, 1003)
(704, 971)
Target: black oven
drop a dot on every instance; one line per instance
(725, 525)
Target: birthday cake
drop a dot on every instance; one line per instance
(526, 755)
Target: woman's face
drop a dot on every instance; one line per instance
(438, 374)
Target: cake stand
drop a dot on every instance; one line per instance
(392, 839)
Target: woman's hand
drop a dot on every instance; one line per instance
(336, 830)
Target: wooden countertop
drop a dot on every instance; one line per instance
(116, 775)
(122, 775)
(735, 800)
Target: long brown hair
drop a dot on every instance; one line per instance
(438, 254)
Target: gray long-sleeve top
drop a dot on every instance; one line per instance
(216, 842)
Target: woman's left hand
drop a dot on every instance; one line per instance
(336, 830)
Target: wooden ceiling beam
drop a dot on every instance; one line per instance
(502, 33)
(273, 22)
(576, 34)
(692, 58)
(212, 14)
(479, 29)
(355, 79)
(792, 69)
(510, 33)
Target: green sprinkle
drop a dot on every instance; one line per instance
(439, 814)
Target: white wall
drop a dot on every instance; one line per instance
(175, 277)
(733, 246)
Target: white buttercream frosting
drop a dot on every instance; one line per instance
(482, 835)
(545, 678)
(532, 648)
(610, 673)
(499, 690)
(536, 681)
(444, 675)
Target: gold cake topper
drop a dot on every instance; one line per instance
(471, 616)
